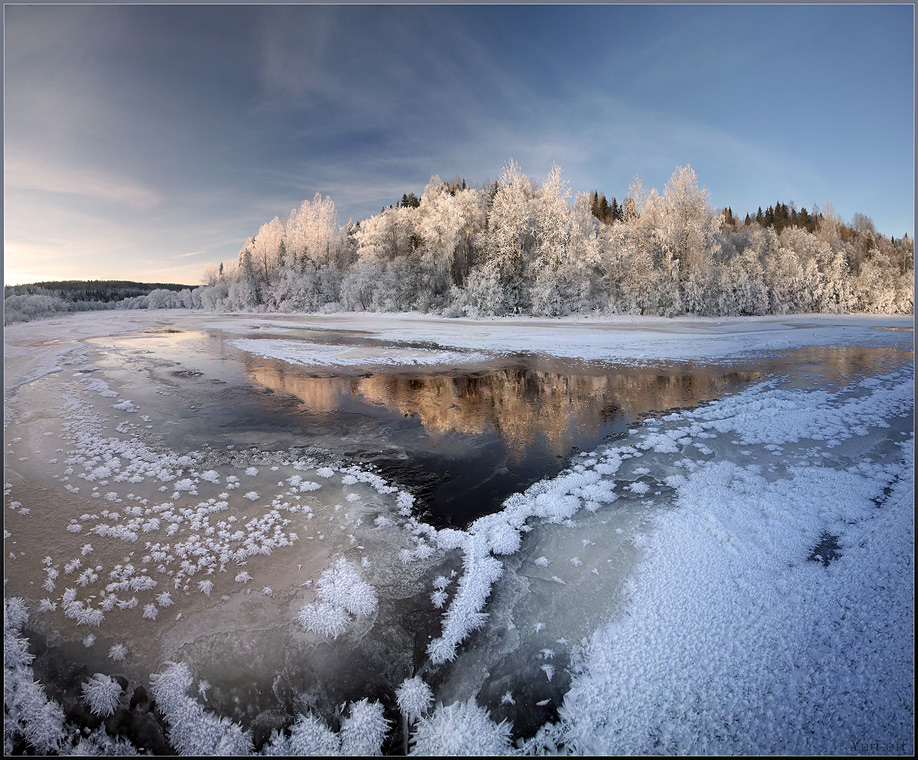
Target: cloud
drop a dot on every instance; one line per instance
(88, 182)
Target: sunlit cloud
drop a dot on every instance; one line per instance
(21, 173)
(189, 254)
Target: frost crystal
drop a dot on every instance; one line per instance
(192, 730)
(117, 652)
(342, 593)
(363, 731)
(324, 619)
(341, 586)
(101, 694)
(463, 728)
(308, 736)
(414, 698)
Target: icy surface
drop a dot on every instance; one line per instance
(733, 641)
(323, 355)
(733, 578)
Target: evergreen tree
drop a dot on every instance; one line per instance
(769, 218)
(803, 219)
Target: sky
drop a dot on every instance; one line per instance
(146, 142)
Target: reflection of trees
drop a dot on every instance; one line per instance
(320, 394)
(524, 403)
(517, 403)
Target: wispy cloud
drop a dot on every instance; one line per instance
(91, 182)
(172, 132)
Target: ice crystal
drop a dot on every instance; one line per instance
(101, 694)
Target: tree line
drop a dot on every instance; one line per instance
(23, 303)
(513, 246)
(101, 291)
(516, 247)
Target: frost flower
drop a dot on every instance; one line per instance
(101, 694)
(414, 698)
(463, 728)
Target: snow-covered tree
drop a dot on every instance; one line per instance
(503, 288)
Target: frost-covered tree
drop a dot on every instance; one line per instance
(244, 292)
(688, 233)
(553, 287)
(502, 287)
(313, 235)
(509, 248)
(385, 275)
(360, 284)
(268, 251)
(445, 224)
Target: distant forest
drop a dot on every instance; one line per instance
(23, 303)
(512, 247)
(102, 291)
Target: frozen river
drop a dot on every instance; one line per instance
(307, 511)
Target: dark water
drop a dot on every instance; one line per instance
(464, 441)
(460, 440)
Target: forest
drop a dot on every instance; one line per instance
(23, 303)
(514, 247)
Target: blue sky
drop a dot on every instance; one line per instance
(143, 142)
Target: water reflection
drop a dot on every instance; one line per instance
(470, 438)
(521, 405)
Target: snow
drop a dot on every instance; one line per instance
(618, 338)
(734, 642)
(322, 355)
(739, 575)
